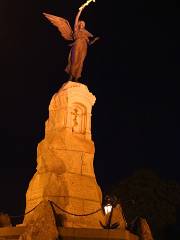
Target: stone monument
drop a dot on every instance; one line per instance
(65, 173)
(63, 198)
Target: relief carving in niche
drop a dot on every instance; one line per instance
(78, 118)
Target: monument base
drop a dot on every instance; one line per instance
(73, 233)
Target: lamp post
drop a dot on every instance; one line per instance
(114, 216)
(110, 203)
(108, 209)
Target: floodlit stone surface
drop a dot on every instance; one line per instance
(5, 220)
(145, 230)
(65, 173)
(117, 217)
(41, 225)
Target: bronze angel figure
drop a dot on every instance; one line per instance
(81, 37)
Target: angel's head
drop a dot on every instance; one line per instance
(81, 24)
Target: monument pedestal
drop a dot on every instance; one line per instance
(65, 173)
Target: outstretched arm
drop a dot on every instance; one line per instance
(77, 19)
(94, 40)
(79, 13)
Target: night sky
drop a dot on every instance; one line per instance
(133, 70)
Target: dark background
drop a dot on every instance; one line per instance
(133, 71)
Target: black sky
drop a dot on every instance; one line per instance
(133, 70)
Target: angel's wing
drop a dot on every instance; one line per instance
(62, 25)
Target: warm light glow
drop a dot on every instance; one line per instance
(108, 208)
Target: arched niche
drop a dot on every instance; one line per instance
(78, 118)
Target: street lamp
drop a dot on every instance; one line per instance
(110, 203)
(108, 207)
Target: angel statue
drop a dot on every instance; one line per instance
(81, 38)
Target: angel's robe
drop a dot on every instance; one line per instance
(78, 53)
